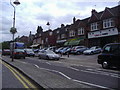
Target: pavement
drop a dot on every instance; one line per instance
(44, 78)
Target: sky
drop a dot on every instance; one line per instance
(33, 13)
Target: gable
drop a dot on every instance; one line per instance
(93, 18)
(106, 14)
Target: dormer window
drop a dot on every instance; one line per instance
(94, 26)
(81, 31)
(39, 34)
(72, 33)
(50, 33)
(58, 37)
(108, 23)
(57, 31)
(62, 36)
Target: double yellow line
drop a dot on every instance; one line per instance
(25, 82)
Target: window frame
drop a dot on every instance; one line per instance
(81, 31)
(108, 23)
(94, 26)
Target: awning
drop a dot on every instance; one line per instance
(74, 41)
(36, 45)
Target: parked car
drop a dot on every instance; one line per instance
(110, 55)
(93, 50)
(79, 50)
(58, 50)
(6, 52)
(48, 54)
(52, 48)
(65, 50)
(29, 52)
(18, 53)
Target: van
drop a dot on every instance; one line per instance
(110, 56)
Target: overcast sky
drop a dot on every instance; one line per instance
(31, 13)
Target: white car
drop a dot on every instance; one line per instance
(93, 50)
(48, 54)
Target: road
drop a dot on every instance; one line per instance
(80, 72)
(11, 78)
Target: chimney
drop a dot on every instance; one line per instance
(93, 11)
(74, 19)
(62, 25)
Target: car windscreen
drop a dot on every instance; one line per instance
(19, 50)
(92, 48)
(50, 52)
(29, 50)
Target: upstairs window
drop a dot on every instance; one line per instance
(108, 23)
(72, 33)
(58, 37)
(58, 31)
(94, 26)
(63, 36)
(81, 31)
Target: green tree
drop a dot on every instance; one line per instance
(6, 45)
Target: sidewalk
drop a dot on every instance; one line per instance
(44, 78)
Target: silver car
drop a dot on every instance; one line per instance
(93, 50)
(48, 54)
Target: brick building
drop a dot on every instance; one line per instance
(98, 29)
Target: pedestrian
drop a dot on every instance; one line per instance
(68, 54)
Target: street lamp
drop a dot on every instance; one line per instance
(13, 30)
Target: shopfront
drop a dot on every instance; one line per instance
(75, 41)
(103, 37)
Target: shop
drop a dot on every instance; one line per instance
(103, 37)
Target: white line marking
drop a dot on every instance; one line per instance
(48, 63)
(104, 73)
(74, 68)
(56, 72)
(74, 79)
(37, 66)
(92, 84)
(64, 75)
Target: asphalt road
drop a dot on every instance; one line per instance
(13, 79)
(88, 75)
(79, 72)
(9, 80)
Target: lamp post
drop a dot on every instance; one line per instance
(13, 30)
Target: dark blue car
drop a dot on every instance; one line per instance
(110, 55)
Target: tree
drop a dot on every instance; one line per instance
(6, 45)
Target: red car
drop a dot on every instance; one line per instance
(6, 52)
(18, 53)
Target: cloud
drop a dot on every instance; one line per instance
(31, 13)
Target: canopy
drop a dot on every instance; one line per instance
(74, 41)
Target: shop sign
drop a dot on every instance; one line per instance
(103, 33)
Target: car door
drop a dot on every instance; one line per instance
(115, 54)
(106, 54)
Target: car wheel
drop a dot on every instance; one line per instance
(105, 65)
(39, 57)
(91, 53)
(47, 58)
(24, 57)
